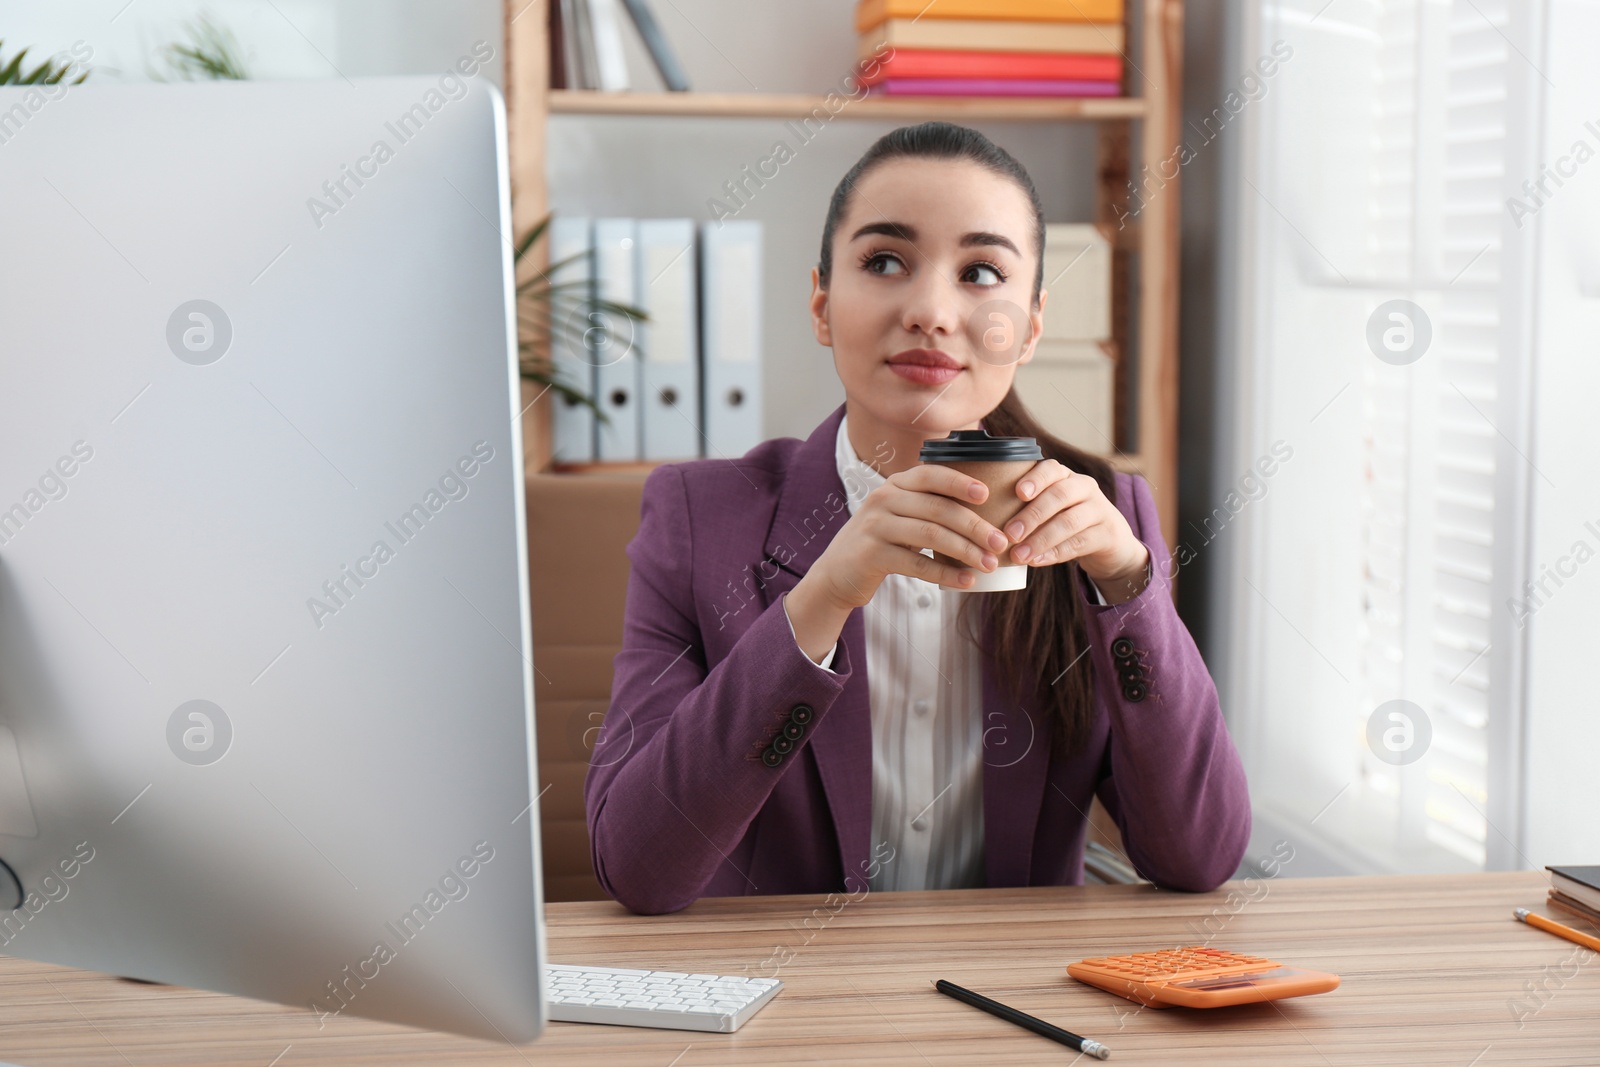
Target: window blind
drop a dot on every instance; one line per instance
(1417, 159)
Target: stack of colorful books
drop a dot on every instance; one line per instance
(991, 47)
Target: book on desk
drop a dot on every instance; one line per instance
(1576, 890)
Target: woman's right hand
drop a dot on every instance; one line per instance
(920, 507)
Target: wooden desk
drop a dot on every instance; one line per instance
(1432, 967)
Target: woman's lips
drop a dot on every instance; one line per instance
(924, 375)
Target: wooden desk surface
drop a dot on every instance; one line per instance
(1434, 969)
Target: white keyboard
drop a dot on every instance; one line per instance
(670, 1000)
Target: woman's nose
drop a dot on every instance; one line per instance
(932, 305)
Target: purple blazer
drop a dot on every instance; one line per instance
(687, 798)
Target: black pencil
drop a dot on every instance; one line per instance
(1023, 1019)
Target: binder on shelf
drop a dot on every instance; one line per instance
(572, 423)
(613, 342)
(1077, 275)
(730, 330)
(605, 24)
(556, 38)
(669, 352)
(582, 62)
(661, 53)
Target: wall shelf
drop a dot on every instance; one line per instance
(800, 105)
(1128, 462)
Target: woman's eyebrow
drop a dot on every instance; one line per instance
(889, 229)
(984, 237)
(907, 232)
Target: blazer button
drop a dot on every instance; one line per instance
(1127, 663)
(771, 758)
(793, 731)
(1122, 648)
(781, 745)
(801, 713)
(1131, 677)
(1134, 692)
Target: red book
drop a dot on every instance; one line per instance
(995, 87)
(930, 63)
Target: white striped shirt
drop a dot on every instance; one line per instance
(925, 689)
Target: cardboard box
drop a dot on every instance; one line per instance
(1069, 387)
(1077, 277)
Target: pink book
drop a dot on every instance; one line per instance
(995, 87)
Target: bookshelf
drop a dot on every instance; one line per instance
(800, 105)
(1144, 253)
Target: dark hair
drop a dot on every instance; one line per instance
(1039, 634)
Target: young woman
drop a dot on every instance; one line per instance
(804, 704)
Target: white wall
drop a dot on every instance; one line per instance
(1563, 634)
(283, 39)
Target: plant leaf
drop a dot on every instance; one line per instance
(8, 76)
(531, 236)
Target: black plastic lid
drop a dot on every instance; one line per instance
(969, 446)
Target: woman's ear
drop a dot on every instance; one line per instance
(1035, 326)
(819, 310)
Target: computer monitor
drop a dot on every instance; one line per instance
(266, 700)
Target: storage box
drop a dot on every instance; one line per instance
(1068, 385)
(1077, 277)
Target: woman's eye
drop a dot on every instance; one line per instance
(884, 260)
(975, 274)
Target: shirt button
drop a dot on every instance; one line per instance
(921, 706)
(923, 600)
(919, 823)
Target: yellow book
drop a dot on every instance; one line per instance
(870, 13)
(982, 35)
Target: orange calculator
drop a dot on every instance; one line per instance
(1199, 977)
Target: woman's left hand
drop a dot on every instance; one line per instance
(1068, 517)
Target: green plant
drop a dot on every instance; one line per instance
(212, 52)
(50, 72)
(551, 312)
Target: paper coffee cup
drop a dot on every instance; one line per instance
(999, 463)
